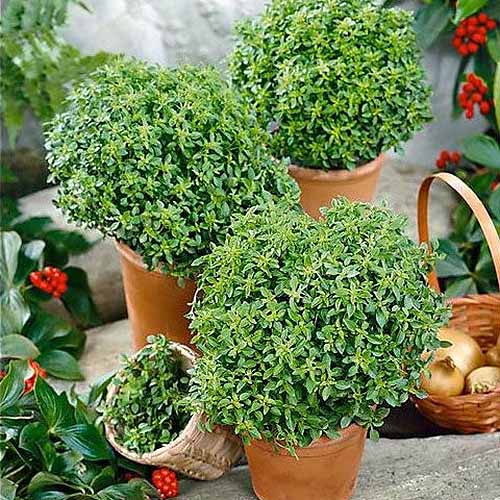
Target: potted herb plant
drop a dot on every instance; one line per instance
(310, 331)
(338, 82)
(160, 159)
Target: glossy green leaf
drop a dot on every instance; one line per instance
(460, 287)
(452, 265)
(494, 203)
(12, 385)
(493, 45)
(10, 244)
(17, 346)
(56, 411)
(430, 21)
(466, 8)
(60, 364)
(7, 489)
(87, 440)
(14, 312)
(483, 150)
(44, 480)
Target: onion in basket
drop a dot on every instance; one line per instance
(493, 356)
(446, 379)
(482, 380)
(464, 351)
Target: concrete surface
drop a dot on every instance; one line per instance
(439, 468)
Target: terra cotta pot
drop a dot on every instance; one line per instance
(325, 470)
(155, 302)
(318, 187)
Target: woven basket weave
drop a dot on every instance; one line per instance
(197, 454)
(478, 315)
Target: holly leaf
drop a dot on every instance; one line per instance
(60, 364)
(17, 346)
(483, 150)
(87, 440)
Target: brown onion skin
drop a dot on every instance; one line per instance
(483, 380)
(493, 357)
(446, 379)
(464, 351)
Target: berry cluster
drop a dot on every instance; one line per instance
(474, 92)
(472, 32)
(38, 371)
(50, 280)
(165, 481)
(448, 157)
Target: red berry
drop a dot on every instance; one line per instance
(468, 87)
(484, 107)
(478, 38)
(456, 157)
(463, 50)
(482, 17)
(476, 97)
(482, 30)
(472, 20)
(472, 47)
(456, 42)
(165, 481)
(2, 373)
(469, 113)
(460, 31)
(440, 163)
(491, 24)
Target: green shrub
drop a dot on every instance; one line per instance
(341, 79)
(305, 325)
(161, 159)
(149, 409)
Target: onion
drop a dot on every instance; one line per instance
(484, 379)
(464, 351)
(446, 379)
(493, 357)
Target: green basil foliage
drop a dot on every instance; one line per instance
(308, 326)
(37, 64)
(53, 446)
(161, 159)
(340, 81)
(150, 408)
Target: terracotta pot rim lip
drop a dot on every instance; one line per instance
(336, 175)
(136, 260)
(322, 442)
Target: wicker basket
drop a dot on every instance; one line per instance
(197, 454)
(477, 315)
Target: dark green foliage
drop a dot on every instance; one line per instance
(37, 64)
(149, 409)
(304, 326)
(161, 159)
(53, 447)
(27, 329)
(341, 79)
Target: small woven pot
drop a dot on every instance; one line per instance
(195, 453)
(478, 315)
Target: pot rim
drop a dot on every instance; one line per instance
(313, 174)
(317, 448)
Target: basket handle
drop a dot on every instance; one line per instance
(474, 203)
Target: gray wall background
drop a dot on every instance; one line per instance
(171, 32)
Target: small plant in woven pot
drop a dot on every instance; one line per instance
(338, 81)
(160, 159)
(148, 408)
(307, 327)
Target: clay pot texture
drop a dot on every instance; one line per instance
(155, 302)
(318, 188)
(325, 470)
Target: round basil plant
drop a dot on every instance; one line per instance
(337, 81)
(306, 327)
(161, 159)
